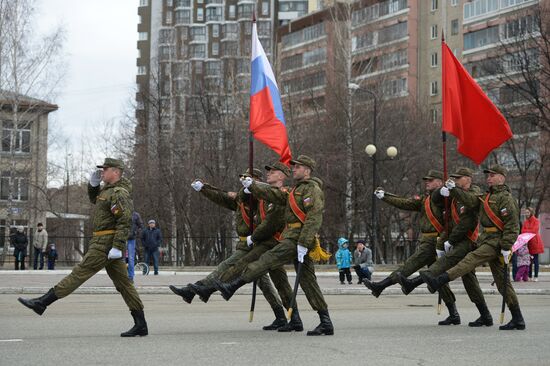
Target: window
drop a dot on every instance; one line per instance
(215, 30)
(434, 5)
(517, 28)
(433, 31)
(214, 14)
(434, 59)
(169, 2)
(477, 8)
(213, 68)
(265, 8)
(142, 36)
(304, 35)
(16, 186)
(143, 2)
(197, 51)
(183, 17)
(433, 115)
(392, 33)
(215, 48)
(200, 14)
(198, 67)
(18, 139)
(433, 88)
(454, 2)
(142, 70)
(232, 11)
(198, 34)
(454, 27)
(264, 29)
(168, 17)
(247, 28)
(481, 38)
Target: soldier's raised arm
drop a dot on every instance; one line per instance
(266, 192)
(93, 185)
(469, 198)
(219, 197)
(408, 204)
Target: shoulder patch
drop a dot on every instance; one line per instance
(308, 201)
(504, 211)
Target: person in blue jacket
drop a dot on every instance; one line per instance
(343, 260)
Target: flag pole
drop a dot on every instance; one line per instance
(251, 199)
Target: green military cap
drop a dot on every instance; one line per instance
(462, 172)
(279, 166)
(112, 163)
(256, 173)
(433, 174)
(304, 160)
(496, 169)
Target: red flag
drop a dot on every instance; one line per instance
(468, 113)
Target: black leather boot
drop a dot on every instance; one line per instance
(140, 325)
(39, 304)
(325, 327)
(185, 292)
(434, 283)
(280, 319)
(377, 287)
(485, 318)
(453, 318)
(407, 286)
(295, 323)
(517, 321)
(228, 289)
(203, 291)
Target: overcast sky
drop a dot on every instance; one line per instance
(101, 58)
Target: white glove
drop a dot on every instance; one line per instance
(95, 178)
(246, 191)
(506, 255)
(114, 253)
(246, 182)
(379, 194)
(249, 241)
(444, 191)
(448, 246)
(302, 251)
(450, 184)
(197, 185)
(440, 253)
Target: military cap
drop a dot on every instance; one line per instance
(304, 160)
(280, 167)
(462, 172)
(112, 163)
(256, 173)
(496, 169)
(433, 174)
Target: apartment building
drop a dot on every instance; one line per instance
(23, 162)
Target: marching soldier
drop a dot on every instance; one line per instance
(500, 221)
(303, 215)
(239, 202)
(112, 220)
(463, 229)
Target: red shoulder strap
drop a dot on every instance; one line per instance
(244, 214)
(262, 210)
(301, 215)
(492, 216)
(428, 208)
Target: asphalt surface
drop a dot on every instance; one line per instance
(392, 330)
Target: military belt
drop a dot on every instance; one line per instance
(242, 238)
(103, 232)
(294, 225)
(431, 235)
(491, 229)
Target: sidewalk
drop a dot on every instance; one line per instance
(37, 282)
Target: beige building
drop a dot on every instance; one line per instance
(23, 162)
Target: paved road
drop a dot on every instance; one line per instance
(392, 330)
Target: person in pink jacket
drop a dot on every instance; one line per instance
(524, 261)
(536, 246)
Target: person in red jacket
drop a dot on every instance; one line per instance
(536, 246)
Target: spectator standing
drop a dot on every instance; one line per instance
(362, 260)
(19, 241)
(343, 260)
(40, 244)
(151, 239)
(524, 260)
(535, 245)
(52, 256)
(137, 226)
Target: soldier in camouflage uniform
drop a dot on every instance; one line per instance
(303, 215)
(244, 252)
(499, 217)
(112, 220)
(463, 228)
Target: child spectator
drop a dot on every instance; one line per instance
(524, 260)
(52, 256)
(343, 260)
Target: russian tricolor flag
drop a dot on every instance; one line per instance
(267, 122)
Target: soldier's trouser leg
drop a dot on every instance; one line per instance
(308, 283)
(265, 285)
(471, 284)
(117, 271)
(280, 280)
(482, 254)
(424, 256)
(94, 260)
(223, 266)
(238, 267)
(497, 268)
(284, 252)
